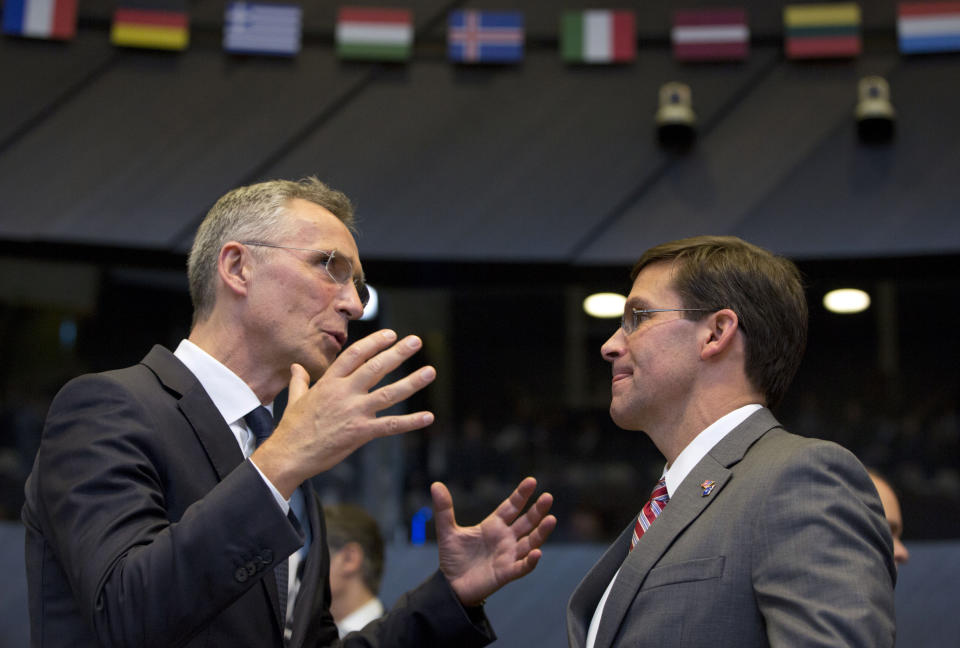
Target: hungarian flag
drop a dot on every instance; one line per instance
(598, 36)
(928, 27)
(710, 35)
(53, 19)
(485, 36)
(261, 28)
(822, 30)
(151, 24)
(372, 34)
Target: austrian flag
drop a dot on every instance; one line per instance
(598, 36)
(485, 36)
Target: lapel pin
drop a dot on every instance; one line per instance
(707, 487)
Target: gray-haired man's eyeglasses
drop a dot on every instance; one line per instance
(631, 318)
(339, 268)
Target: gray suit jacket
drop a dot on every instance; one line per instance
(789, 548)
(145, 526)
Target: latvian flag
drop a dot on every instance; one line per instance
(485, 36)
(374, 34)
(260, 28)
(54, 19)
(928, 27)
(710, 35)
(598, 36)
(822, 30)
(152, 24)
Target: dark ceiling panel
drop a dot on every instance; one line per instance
(846, 199)
(785, 169)
(535, 162)
(510, 164)
(37, 76)
(142, 152)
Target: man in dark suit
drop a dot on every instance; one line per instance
(160, 513)
(754, 536)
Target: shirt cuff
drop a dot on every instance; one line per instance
(283, 503)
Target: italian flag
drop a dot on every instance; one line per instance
(598, 36)
(374, 34)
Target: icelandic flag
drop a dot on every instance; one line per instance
(53, 19)
(485, 36)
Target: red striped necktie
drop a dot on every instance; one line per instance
(650, 512)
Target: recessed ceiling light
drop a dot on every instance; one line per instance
(846, 300)
(604, 305)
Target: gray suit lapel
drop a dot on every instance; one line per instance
(685, 506)
(583, 602)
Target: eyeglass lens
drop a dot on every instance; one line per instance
(341, 270)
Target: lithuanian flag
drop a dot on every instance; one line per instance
(151, 24)
(829, 30)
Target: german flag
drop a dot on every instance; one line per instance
(151, 24)
(828, 30)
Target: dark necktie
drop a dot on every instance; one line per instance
(260, 422)
(650, 512)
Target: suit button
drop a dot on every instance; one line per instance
(251, 568)
(240, 575)
(267, 556)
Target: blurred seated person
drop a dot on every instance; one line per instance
(356, 566)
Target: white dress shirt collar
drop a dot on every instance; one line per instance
(703, 443)
(232, 397)
(356, 620)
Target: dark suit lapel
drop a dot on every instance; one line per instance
(202, 415)
(685, 506)
(314, 572)
(212, 431)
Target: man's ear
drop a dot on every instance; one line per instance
(351, 557)
(232, 266)
(721, 334)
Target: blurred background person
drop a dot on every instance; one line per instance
(891, 509)
(356, 566)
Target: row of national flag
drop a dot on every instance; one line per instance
(594, 36)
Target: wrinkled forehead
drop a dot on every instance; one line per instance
(311, 226)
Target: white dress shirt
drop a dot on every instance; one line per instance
(675, 474)
(359, 618)
(234, 399)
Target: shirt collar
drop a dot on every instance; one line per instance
(703, 443)
(356, 620)
(233, 398)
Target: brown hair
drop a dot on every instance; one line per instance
(349, 523)
(763, 289)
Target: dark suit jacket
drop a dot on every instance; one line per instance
(145, 526)
(789, 548)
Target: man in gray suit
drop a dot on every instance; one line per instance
(755, 536)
